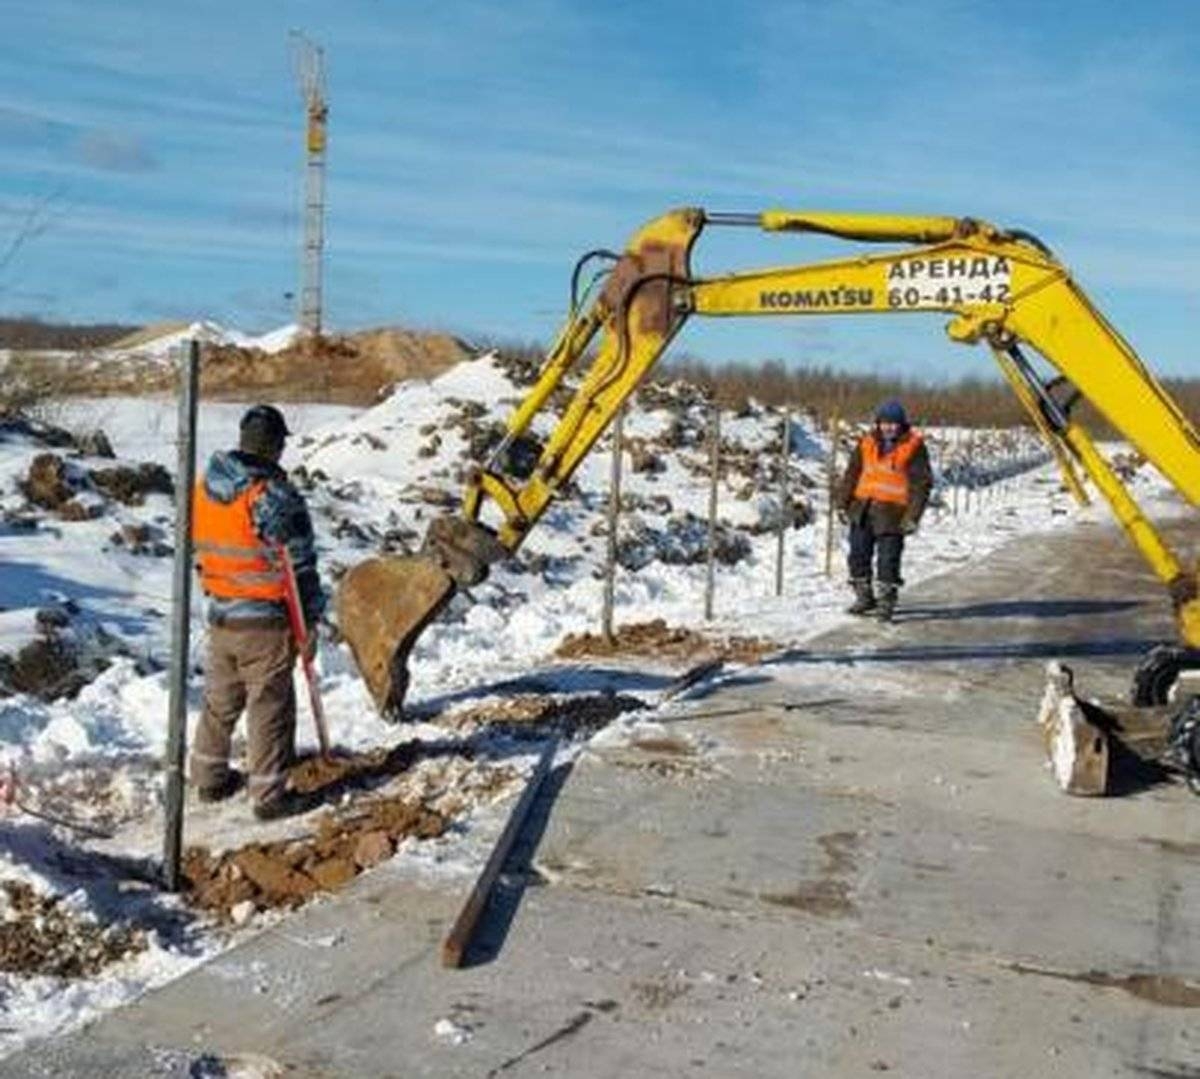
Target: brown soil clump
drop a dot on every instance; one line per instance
(537, 716)
(425, 786)
(658, 641)
(38, 935)
(48, 484)
(286, 873)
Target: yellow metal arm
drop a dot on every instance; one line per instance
(1000, 287)
(1058, 446)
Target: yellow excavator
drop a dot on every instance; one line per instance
(1003, 287)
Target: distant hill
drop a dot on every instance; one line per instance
(33, 333)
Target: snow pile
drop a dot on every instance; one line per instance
(165, 345)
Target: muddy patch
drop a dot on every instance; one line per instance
(826, 898)
(830, 895)
(1171, 846)
(656, 640)
(658, 993)
(677, 747)
(539, 716)
(678, 767)
(1167, 990)
(40, 934)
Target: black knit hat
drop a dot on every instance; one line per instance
(262, 431)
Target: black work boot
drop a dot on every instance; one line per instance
(864, 596)
(288, 804)
(224, 788)
(887, 602)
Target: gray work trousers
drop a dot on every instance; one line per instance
(250, 668)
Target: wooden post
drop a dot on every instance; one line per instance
(181, 610)
(454, 947)
(614, 515)
(785, 446)
(714, 468)
(831, 483)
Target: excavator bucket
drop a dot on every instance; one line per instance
(383, 604)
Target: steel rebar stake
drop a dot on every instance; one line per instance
(181, 603)
(831, 490)
(714, 468)
(614, 514)
(785, 445)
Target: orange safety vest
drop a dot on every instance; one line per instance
(884, 476)
(234, 562)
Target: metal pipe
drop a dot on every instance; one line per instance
(614, 515)
(714, 467)
(737, 219)
(831, 491)
(785, 447)
(181, 604)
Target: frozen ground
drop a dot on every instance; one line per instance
(374, 480)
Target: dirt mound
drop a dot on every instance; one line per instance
(657, 640)
(285, 874)
(354, 369)
(382, 797)
(41, 935)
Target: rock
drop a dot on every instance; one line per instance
(94, 444)
(49, 619)
(47, 483)
(280, 884)
(75, 510)
(333, 872)
(241, 913)
(141, 539)
(372, 848)
(642, 458)
(131, 485)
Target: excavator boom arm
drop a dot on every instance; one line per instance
(1002, 287)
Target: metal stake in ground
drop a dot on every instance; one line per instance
(614, 515)
(785, 500)
(714, 468)
(181, 606)
(835, 428)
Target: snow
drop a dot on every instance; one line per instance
(373, 471)
(213, 333)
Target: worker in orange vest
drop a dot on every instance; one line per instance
(882, 496)
(244, 510)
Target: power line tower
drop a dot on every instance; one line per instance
(309, 61)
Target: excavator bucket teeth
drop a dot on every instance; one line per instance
(383, 604)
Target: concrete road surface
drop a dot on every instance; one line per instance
(850, 861)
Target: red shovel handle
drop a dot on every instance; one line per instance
(291, 599)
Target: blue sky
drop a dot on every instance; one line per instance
(152, 154)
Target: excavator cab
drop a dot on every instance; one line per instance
(1001, 287)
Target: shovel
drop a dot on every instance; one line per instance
(300, 632)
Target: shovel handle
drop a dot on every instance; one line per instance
(291, 598)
